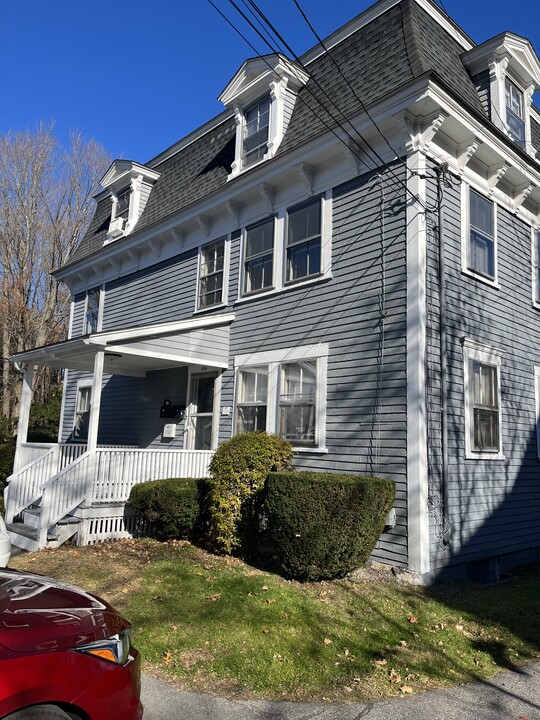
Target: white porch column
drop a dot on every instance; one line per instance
(24, 413)
(95, 401)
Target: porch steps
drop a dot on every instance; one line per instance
(24, 534)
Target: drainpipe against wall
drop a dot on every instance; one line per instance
(447, 528)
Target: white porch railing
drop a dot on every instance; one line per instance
(117, 471)
(25, 485)
(28, 453)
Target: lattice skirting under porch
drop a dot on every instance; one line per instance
(109, 522)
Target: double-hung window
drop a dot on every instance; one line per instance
(82, 413)
(303, 247)
(481, 249)
(284, 392)
(252, 400)
(259, 256)
(298, 402)
(122, 203)
(211, 274)
(482, 401)
(91, 316)
(256, 129)
(514, 113)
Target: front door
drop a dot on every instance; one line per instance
(201, 411)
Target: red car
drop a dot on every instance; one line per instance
(64, 654)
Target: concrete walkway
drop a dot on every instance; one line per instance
(508, 696)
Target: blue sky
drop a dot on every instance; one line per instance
(138, 76)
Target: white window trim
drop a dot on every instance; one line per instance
(279, 283)
(273, 359)
(226, 266)
(466, 239)
(535, 237)
(188, 440)
(473, 350)
(537, 407)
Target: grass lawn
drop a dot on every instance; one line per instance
(215, 624)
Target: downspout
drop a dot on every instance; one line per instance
(441, 171)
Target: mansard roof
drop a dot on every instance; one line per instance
(400, 44)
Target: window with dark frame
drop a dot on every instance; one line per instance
(259, 256)
(92, 311)
(256, 129)
(303, 248)
(481, 258)
(252, 400)
(514, 113)
(211, 274)
(485, 406)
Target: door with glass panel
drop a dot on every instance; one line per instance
(201, 411)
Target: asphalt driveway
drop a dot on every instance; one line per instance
(508, 696)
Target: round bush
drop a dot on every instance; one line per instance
(323, 526)
(171, 506)
(238, 471)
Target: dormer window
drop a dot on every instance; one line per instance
(122, 203)
(514, 113)
(256, 128)
(129, 185)
(262, 95)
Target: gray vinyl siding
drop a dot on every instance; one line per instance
(162, 293)
(77, 325)
(144, 195)
(482, 83)
(366, 423)
(494, 504)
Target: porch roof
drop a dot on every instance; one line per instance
(137, 350)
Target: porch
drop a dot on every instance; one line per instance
(78, 488)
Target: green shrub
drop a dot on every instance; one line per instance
(7, 456)
(172, 506)
(324, 526)
(238, 471)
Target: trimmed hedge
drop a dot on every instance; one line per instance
(238, 469)
(172, 506)
(323, 525)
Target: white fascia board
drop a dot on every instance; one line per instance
(198, 323)
(51, 351)
(168, 357)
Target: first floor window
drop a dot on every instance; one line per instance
(297, 402)
(91, 320)
(481, 235)
(259, 256)
(252, 399)
(284, 392)
(82, 413)
(211, 274)
(304, 241)
(483, 400)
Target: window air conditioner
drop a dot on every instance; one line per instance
(116, 228)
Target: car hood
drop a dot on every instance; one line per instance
(39, 614)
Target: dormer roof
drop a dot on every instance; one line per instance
(121, 172)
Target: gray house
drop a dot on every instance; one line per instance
(346, 256)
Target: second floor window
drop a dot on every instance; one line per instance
(256, 129)
(481, 256)
(91, 320)
(514, 113)
(211, 274)
(259, 256)
(304, 241)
